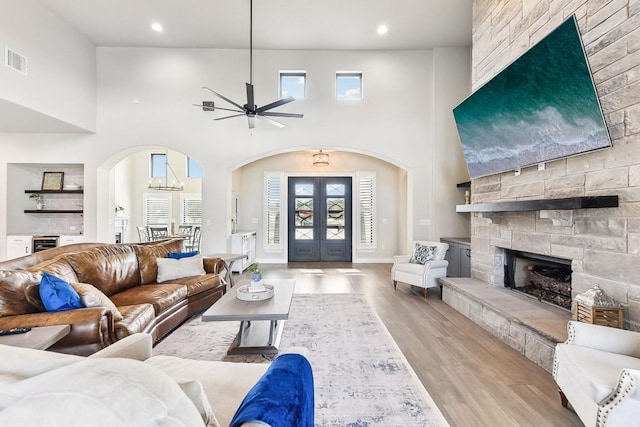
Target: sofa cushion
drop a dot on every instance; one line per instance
(160, 296)
(225, 383)
(595, 371)
(110, 268)
(57, 294)
(197, 284)
(135, 318)
(92, 297)
(171, 269)
(103, 392)
(14, 286)
(57, 266)
(147, 255)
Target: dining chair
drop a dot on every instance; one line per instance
(194, 243)
(158, 233)
(143, 233)
(185, 230)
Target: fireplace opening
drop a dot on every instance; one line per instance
(543, 277)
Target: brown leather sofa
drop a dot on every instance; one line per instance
(126, 273)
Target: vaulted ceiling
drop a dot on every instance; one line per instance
(278, 24)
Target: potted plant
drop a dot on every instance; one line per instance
(255, 269)
(119, 210)
(38, 199)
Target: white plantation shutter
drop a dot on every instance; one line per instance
(273, 183)
(366, 191)
(157, 208)
(190, 209)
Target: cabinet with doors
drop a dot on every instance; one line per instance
(243, 243)
(70, 239)
(459, 256)
(18, 245)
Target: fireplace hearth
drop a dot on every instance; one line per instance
(546, 278)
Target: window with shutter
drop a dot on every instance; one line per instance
(190, 209)
(273, 183)
(157, 208)
(366, 230)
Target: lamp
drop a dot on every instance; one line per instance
(321, 159)
(158, 185)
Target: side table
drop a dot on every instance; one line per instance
(39, 337)
(228, 260)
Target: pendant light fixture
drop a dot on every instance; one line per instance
(159, 185)
(321, 159)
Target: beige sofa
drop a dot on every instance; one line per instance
(131, 388)
(598, 372)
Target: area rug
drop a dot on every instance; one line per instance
(361, 377)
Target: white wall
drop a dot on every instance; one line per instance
(452, 84)
(148, 103)
(61, 80)
(389, 212)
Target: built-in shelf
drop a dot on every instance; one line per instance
(54, 211)
(543, 204)
(54, 191)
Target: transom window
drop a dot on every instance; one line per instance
(348, 85)
(293, 83)
(158, 165)
(194, 170)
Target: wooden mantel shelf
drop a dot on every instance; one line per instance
(543, 204)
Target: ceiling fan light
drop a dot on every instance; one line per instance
(321, 159)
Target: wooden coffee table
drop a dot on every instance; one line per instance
(40, 337)
(261, 322)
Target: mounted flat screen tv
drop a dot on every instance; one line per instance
(542, 107)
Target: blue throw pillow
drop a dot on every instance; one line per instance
(180, 255)
(58, 295)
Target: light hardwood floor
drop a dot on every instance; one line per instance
(474, 378)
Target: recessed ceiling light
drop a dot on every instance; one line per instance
(156, 27)
(382, 29)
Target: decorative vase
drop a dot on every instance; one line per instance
(256, 277)
(39, 206)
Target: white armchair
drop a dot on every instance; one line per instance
(422, 275)
(598, 372)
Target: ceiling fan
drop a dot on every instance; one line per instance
(250, 109)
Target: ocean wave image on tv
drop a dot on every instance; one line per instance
(541, 107)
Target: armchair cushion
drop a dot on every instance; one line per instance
(422, 254)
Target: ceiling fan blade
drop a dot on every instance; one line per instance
(229, 117)
(252, 122)
(206, 105)
(223, 97)
(275, 104)
(276, 114)
(250, 100)
(273, 122)
(229, 109)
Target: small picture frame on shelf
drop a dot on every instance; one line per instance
(52, 181)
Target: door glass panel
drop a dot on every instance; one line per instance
(304, 212)
(335, 212)
(304, 233)
(336, 189)
(304, 189)
(335, 233)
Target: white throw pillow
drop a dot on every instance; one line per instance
(169, 269)
(93, 297)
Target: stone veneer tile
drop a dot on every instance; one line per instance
(540, 352)
(617, 267)
(581, 282)
(567, 252)
(608, 178)
(632, 119)
(565, 181)
(612, 244)
(611, 227)
(532, 242)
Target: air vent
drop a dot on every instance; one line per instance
(15, 61)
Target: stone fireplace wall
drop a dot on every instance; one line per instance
(603, 244)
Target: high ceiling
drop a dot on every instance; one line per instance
(278, 24)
